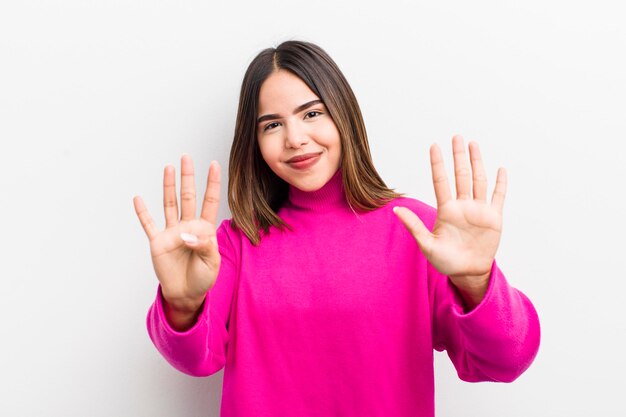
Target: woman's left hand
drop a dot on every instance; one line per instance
(467, 230)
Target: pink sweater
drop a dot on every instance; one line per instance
(339, 317)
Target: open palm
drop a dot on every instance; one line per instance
(466, 233)
(185, 254)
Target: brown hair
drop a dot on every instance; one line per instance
(255, 193)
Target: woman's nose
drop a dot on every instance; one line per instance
(295, 136)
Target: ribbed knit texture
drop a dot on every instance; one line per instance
(339, 316)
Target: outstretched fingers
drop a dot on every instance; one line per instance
(499, 192)
(479, 177)
(170, 204)
(144, 218)
(211, 201)
(461, 168)
(440, 178)
(187, 189)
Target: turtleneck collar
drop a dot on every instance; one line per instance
(330, 195)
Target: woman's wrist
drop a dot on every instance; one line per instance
(472, 288)
(182, 314)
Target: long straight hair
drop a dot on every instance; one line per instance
(255, 192)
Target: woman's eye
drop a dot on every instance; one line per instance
(312, 114)
(270, 126)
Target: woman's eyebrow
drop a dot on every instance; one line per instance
(296, 110)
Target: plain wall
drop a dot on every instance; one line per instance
(96, 97)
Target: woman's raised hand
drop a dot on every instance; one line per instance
(185, 254)
(467, 230)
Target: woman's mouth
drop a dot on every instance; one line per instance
(304, 161)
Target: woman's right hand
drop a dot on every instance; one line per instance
(185, 254)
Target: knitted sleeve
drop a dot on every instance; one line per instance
(497, 340)
(200, 350)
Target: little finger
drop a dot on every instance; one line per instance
(144, 218)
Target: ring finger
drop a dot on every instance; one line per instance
(170, 205)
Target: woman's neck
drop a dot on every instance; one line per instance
(330, 195)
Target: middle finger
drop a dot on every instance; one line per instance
(187, 189)
(461, 168)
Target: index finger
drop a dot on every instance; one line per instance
(440, 178)
(497, 199)
(212, 194)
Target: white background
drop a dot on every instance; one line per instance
(96, 97)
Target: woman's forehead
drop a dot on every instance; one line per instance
(282, 92)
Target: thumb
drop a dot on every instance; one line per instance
(202, 245)
(415, 226)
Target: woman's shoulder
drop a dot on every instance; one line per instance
(226, 225)
(228, 231)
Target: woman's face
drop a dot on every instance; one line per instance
(297, 137)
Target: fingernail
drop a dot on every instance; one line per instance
(189, 238)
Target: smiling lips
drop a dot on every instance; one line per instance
(304, 161)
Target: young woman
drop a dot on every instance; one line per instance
(327, 292)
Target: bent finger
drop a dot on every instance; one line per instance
(204, 245)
